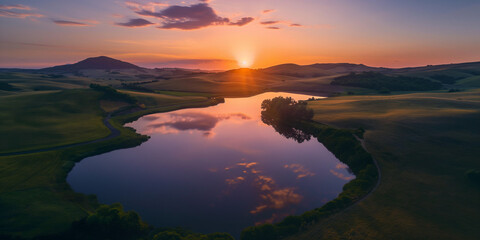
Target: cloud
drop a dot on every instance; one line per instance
(273, 28)
(16, 6)
(300, 170)
(190, 17)
(269, 22)
(247, 164)
(341, 175)
(275, 202)
(268, 11)
(200, 121)
(341, 166)
(243, 21)
(233, 181)
(17, 11)
(69, 23)
(151, 6)
(190, 121)
(274, 198)
(12, 14)
(136, 22)
(286, 23)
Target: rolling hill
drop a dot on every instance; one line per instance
(97, 63)
(321, 78)
(318, 69)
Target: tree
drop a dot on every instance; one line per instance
(283, 114)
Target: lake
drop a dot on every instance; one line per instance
(214, 169)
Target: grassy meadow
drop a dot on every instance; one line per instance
(424, 144)
(35, 199)
(66, 117)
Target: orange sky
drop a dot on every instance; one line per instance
(218, 34)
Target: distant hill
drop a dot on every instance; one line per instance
(98, 63)
(452, 66)
(384, 83)
(318, 69)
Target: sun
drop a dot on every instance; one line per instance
(244, 64)
(245, 56)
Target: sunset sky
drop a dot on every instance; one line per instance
(223, 34)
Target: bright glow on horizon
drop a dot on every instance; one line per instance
(244, 64)
(245, 55)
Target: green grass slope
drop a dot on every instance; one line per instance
(35, 199)
(46, 119)
(424, 143)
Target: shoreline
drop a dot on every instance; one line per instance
(123, 119)
(119, 138)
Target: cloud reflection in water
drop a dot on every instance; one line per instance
(184, 121)
(275, 202)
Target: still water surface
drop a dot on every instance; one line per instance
(215, 169)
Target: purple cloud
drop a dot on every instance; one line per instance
(191, 17)
(136, 22)
(17, 11)
(269, 22)
(273, 28)
(243, 21)
(69, 23)
(286, 23)
(16, 6)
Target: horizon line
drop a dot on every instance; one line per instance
(229, 69)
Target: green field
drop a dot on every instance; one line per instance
(34, 196)
(424, 143)
(66, 117)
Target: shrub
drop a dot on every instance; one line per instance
(264, 232)
(473, 175)
(167, 236)
(280, 109)
(384, 90)
(110, 222)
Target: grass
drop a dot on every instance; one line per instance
(65, 117)
(153, 100)
(112, 106)
(35, 199)
(424, 143)
(473, 81)
(176, 93)
(43, 82)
